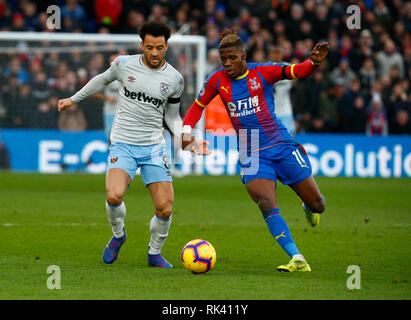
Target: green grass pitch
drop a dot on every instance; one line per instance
(60, 220)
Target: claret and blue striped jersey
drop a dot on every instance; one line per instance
(249, 101)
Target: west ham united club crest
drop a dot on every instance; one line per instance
(164, 87)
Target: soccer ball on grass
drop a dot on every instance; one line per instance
(198, 256)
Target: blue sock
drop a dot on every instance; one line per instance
(280, 231)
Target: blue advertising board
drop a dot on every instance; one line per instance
(331, 155)
(53, 151)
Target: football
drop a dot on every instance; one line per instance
(198, 256)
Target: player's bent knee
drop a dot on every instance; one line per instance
(114, 197)
(164, 209)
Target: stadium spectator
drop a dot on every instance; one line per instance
(18, 22)
(19, 114)
(30, 16)
(74, 62)
(220, 18)
(75, 12)
(309, 10)
(278, 31)
(366, 39)
(51, 62)
(72, 120)
(388, 58)
(367, 75)
(295, 18)
(10, 97)
(141, 6)
(405, 16)
(44, 117)
(134, 21)
(382, 14)
(242, 24)
(310, 95)
(181, 19)
(15, 68)
(329, 106)
(4, 157)
(321, 21)
(398, 100)
(399, 33)
(157, 13)
(356, 119)
(213, 36)
(42, 22)
(108, 13)
(343, 73)
(334, 54)
(402, 123)
(306, 31)
(318, 125)
(352, 92)
(213, 61)
(40, 89)
(377, 123)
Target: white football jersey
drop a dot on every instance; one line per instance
(111, 90)
(282, 98)
(142, 101)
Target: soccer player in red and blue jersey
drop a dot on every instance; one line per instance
(267, 151)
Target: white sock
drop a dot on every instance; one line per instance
(116, 218)
(306, 208)
(299, 256)
(159, 231)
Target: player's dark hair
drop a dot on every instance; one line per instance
(229, 38)
(154, 28)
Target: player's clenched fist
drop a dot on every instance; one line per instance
(319, 52)
(64, 104)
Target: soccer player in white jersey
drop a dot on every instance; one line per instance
(282, 97)
(149, 94)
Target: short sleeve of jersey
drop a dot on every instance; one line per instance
(209, 89)
(272, 71)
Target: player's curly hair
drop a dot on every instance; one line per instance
(229, 38)
(154, 28)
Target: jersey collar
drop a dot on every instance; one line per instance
(242, 76)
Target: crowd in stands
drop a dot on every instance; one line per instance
(362, 87)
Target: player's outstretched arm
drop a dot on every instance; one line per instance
(207, 93)
(95, 85)
(276, 72)
(92, 87)
(308, 67)
(188, 142)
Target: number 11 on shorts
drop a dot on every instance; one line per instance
(299, 158)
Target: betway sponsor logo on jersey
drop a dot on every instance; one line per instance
(244, 107)
(141, 96)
